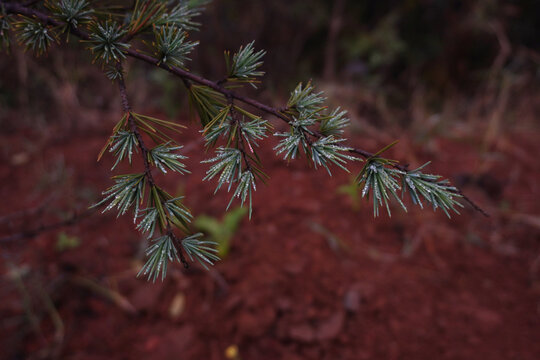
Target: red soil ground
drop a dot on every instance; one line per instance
(414, 286)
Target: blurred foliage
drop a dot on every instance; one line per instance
(221, 232)
(380, 47)
(352, 191)
(430, 40)
(445, 46)
(65, 242)
(169, 88)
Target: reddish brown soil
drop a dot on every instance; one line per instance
(414, 286)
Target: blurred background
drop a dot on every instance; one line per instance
(312, 275)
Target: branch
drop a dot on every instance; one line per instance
(185, 75)
(473, 205)
(144, 154)
(188, 78)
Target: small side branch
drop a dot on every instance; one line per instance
(72, 220)
(177, 241)
(145, 151)
(133, 126)
(473, 204)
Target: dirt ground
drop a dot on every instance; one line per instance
(309, 277)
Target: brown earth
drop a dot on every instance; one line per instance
(309, 277)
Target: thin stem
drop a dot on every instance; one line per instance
(72, 220)
(133, 125)
(244, 154)
(175, 239)
(240, 142)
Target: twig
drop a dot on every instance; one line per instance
(470, 202)
(58, 323)
(17, 277)
(114, 296)
(133, 126)
(72, 220)
(28, 212)
(175, 239)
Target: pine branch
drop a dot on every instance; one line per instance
(237, 162)
(15, 8)
(162, 210)
(313, 129)
(164, 248)
(246, 180)
(189, 78)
